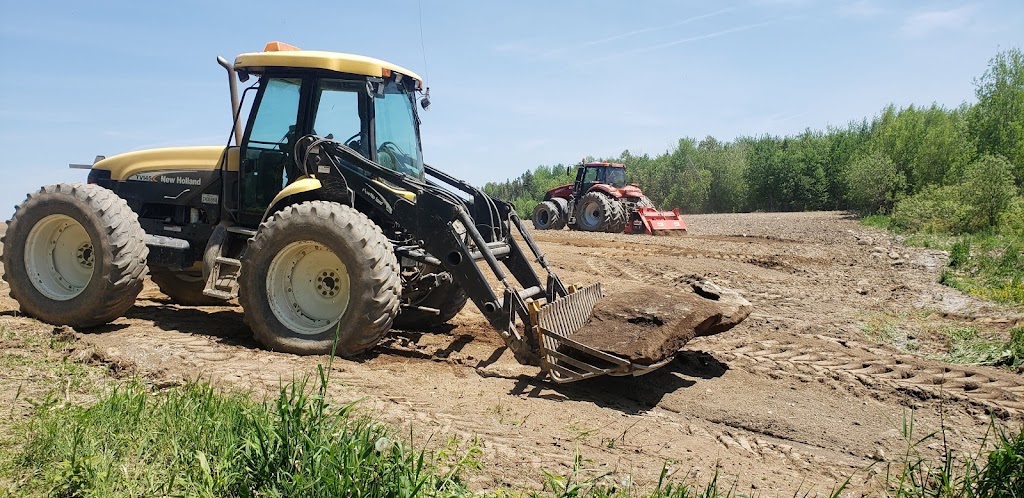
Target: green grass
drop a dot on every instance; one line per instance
(878, 221)
(968, 346)
(194, 441)
(987, 266)
(990, 267)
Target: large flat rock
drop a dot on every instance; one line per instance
(647, 324)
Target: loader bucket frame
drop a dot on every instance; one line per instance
(566, 360)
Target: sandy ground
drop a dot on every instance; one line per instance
(842, 346)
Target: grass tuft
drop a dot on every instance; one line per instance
(968, 346)
(996, 470)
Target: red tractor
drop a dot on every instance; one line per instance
(600, 200)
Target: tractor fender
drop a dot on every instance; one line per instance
(564, 192)
(302, 185)
(607, 189)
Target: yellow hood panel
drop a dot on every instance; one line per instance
(203, 158)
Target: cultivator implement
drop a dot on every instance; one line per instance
(650, 221)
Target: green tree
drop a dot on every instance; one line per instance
(874, 184)
(997, 120)
(987, 190)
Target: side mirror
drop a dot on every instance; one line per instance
(425, 101)
(567, 170)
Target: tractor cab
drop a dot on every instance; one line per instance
(613, 174)
(366, 103)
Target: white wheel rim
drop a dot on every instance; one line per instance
(59, 257)
(592, 213)
(308, 287)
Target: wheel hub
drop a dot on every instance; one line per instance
(59, 257)
(326, 284)
(308, 287)
(85, 255)
(592, 213)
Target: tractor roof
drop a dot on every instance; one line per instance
(277, 54)
(606, 165)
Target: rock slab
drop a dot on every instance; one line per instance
(647, 324)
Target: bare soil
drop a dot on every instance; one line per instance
(844, 342)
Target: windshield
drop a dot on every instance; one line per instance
(398, 143)
(616, 177)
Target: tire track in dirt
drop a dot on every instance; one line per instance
(1002, 395)
(872, 368)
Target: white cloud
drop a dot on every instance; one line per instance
(924, 23)
(639, 31)
(659, 46)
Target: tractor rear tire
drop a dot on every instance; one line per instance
(563, 210)
(184, 288)
(319, 277)
(74, 254)
(448, 298)
(595, 212)
(547, 216)
(619, 218)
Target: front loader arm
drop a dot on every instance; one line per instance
(455, 232)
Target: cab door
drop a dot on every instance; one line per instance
(274, 126)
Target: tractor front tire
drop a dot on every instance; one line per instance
(184, 287)
(595, 212)
(74, 254)
(547, 216)
(319, 277)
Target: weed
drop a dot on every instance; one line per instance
(994, 470)
(885, 329)
(878, 221)
(990, 267)
(967, 346)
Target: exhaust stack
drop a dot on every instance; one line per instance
(233, 88)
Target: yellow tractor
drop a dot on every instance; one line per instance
(319, 216)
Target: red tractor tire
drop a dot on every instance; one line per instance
(596, 212)
(547, 216)
(619, 219)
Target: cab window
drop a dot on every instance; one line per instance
(268, 149)
(337, 113)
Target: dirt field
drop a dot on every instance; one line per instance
(811, 388)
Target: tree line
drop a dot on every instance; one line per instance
(911, 162)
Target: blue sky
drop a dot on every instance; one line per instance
(513, 84)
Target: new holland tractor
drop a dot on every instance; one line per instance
(319, 215)
(600, 200)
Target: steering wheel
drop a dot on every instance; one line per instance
(348, 141)
(394, 155)
(390, 156)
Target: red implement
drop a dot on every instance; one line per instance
(653, 222)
